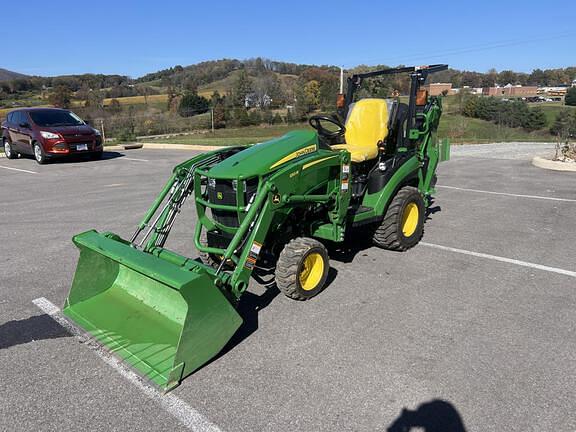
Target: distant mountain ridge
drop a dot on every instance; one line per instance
(6, 75)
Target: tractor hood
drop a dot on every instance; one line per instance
(265, 157)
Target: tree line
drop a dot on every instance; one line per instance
(510, 113)
(194, 76)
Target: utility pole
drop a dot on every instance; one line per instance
(102, 130)
(212, 118)
(341, 80)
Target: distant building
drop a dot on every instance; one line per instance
(436, 89)
(553, 91)
(510, 90)
(469, 90)
(252, 100)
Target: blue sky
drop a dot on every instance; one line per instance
(136, 37)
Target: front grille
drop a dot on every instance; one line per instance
(223, 192)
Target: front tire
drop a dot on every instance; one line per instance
(39, 154)
(302, 268)
(403, 224)
(8, 151)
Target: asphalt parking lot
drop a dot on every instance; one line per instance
(475, 329)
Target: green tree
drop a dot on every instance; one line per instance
(218, 110)
(61, 97)
(191, 104)
(535, 120)
(242, 88)
(255, 117)
(312, 94)
(301, 107)
(470, 106)
(564, 125)
(240, 117)
(570, 98)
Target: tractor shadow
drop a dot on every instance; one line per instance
(432, 210)
(360, 239)
(251, 304)
(40, 327)
(434, 416)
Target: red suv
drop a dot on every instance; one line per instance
(46, 133)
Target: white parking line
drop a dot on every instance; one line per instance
(507, 194)
(18, 169)
(503, 259)
(134, 159)
(183, 412)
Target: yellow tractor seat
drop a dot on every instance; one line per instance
(366, 126)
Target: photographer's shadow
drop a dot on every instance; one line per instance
(434, 416)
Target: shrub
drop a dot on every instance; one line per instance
(191, 104)
(570, 98)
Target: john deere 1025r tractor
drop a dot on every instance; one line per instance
(166, 315)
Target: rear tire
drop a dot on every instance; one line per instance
(8, 151)
(302, 268)
(39, 154)
(403, 224)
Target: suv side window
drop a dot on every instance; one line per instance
(16, 118)
(24, 117)
(9, 118)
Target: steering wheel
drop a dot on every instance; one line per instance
(316, 123)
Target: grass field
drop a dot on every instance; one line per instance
(458, 128)
(551, 110)
(239, 136)
(131, 100)
(471, 130)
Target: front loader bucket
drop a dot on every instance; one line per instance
(161, 318)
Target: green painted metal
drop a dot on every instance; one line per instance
(164, 320)
(379, 201)
(261, 157)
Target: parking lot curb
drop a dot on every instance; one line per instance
(544, 163)
(193, 147)
(124, 146)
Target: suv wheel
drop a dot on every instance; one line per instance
(39, 154)
(10, 154)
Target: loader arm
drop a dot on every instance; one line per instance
(273, 201)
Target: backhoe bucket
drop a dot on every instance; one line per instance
(161, 318)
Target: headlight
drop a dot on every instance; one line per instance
(49, 135)
(211, 182)
(97, 132)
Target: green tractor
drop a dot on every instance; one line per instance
(166, 315)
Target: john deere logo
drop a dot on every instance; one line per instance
(219, 195)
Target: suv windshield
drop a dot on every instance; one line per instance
(49, 118)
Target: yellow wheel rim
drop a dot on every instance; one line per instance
(410, 219)
(311, 271)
